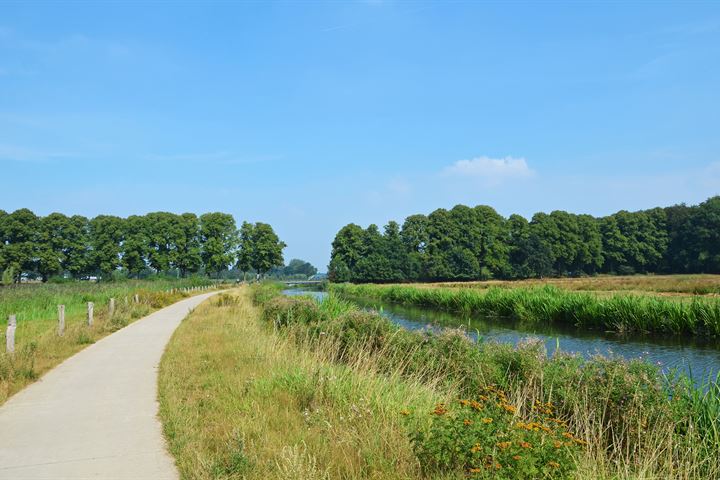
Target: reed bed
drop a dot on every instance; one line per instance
(549, 304)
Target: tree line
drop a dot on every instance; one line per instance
(107, 245)
(477, 243)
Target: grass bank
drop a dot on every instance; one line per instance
(288, 388)
(38, 348)
(237, 400)
(549, 304)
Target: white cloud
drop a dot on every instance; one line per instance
(490, 169)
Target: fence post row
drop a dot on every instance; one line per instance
(61, 320)
(10, 335)
(91, 306)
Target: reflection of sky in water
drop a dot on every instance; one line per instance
(695, 356)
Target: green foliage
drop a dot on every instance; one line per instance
(218, 237)
(477, 243)
(260, 249)
(8, 276)
(110, 247)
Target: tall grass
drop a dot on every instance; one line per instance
(634, 423)
(239, 402)
(549, 304)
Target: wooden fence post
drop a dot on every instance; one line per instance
(137, 298)
(61, 320)
(111, 308)
(91, 307)
(10, 334)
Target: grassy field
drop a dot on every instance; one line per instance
(38, 347)
(238, 401)
(662, 284)
(619, 312)
(287, 388)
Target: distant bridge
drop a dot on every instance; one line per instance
(292, 283)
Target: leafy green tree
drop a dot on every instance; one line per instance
(187, 258)
(164, 231)
(136, 246)
(20, 238)
(266, 249)
(218, 240)
(299, 267)
(61, 245)
(107, 234)
(347, 249)
(245, 248)
(702, 235)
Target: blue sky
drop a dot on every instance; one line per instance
(312, 115)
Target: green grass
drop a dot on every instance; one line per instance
(633, 422)
(38, 347)
(549, 304)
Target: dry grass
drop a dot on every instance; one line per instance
(660, 284)
(238, 401)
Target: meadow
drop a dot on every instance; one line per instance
(619, 312)
(699, 284)
(281, 387)
(38, 347)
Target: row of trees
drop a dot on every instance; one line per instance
(157, 242)
(477, 243)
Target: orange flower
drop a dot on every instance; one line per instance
(557, 444)
(476, 448)
(440, 409)
(467, 421)
(504, 445)
(525, 445)
(475, 470)
(516, 457)
(464, 403)
(567, 435)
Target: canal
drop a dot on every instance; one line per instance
(698, 358)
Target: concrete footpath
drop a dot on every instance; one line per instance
(95, 415)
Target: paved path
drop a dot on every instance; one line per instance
(95, 415)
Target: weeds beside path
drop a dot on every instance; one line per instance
(238, 401)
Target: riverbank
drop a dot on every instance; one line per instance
(548, 304)
(237, 400)
(510, 412)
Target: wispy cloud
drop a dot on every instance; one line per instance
(14, 153)
(220, 157)
(492, 170)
